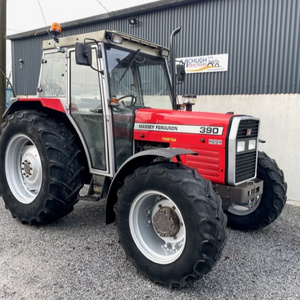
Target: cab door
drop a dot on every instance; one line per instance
(86, 111)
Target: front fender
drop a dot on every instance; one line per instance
(128, 167)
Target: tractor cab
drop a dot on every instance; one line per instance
(101, 81)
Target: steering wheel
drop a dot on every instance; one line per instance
(133, 99)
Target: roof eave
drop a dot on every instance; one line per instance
(127, 12)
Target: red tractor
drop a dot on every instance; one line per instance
(105, 114)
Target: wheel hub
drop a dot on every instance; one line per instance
(26, 168)
(31, 168)
(157, 227)
(166, 222)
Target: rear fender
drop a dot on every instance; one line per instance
(128, 167)
(51, 103)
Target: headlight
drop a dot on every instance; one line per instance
(240, 146)
(252, 145)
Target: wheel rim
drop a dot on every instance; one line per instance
(157, 227)
(23, 168)
(244, 209)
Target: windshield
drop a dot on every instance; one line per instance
(138, 79)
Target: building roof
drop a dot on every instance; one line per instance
(127, 12)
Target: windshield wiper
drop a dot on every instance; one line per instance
(130, 63)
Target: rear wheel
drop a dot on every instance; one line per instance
(261, 211)
(170, 222)
(42, 172)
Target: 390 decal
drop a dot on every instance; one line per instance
(211, 130)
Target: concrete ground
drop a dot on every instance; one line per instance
(79, 257)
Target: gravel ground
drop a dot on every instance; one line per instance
(79, 257)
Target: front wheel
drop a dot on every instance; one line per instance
(170, 222)
(261, 211)
(41, 174)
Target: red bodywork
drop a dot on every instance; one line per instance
(204, 133)
(51, 103)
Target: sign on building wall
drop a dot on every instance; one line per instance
(204, 64)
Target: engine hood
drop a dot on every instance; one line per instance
(168, 125)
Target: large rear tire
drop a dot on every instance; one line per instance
(41, 174)
(264, 210)
(170, 223)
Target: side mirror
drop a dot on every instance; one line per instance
(83, 54)
(180, 72)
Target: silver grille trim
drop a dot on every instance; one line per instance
(242, 167)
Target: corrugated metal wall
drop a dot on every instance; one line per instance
(260, 36)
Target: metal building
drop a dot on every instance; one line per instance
(258, 39)
(261, 39)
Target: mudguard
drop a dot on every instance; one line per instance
(51, 103)
(135, 161)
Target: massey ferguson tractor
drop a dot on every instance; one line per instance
(106, 114)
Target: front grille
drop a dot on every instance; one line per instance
(242, 164)
(245, 165)
(247, 126)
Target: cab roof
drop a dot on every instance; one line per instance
(128, 41)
